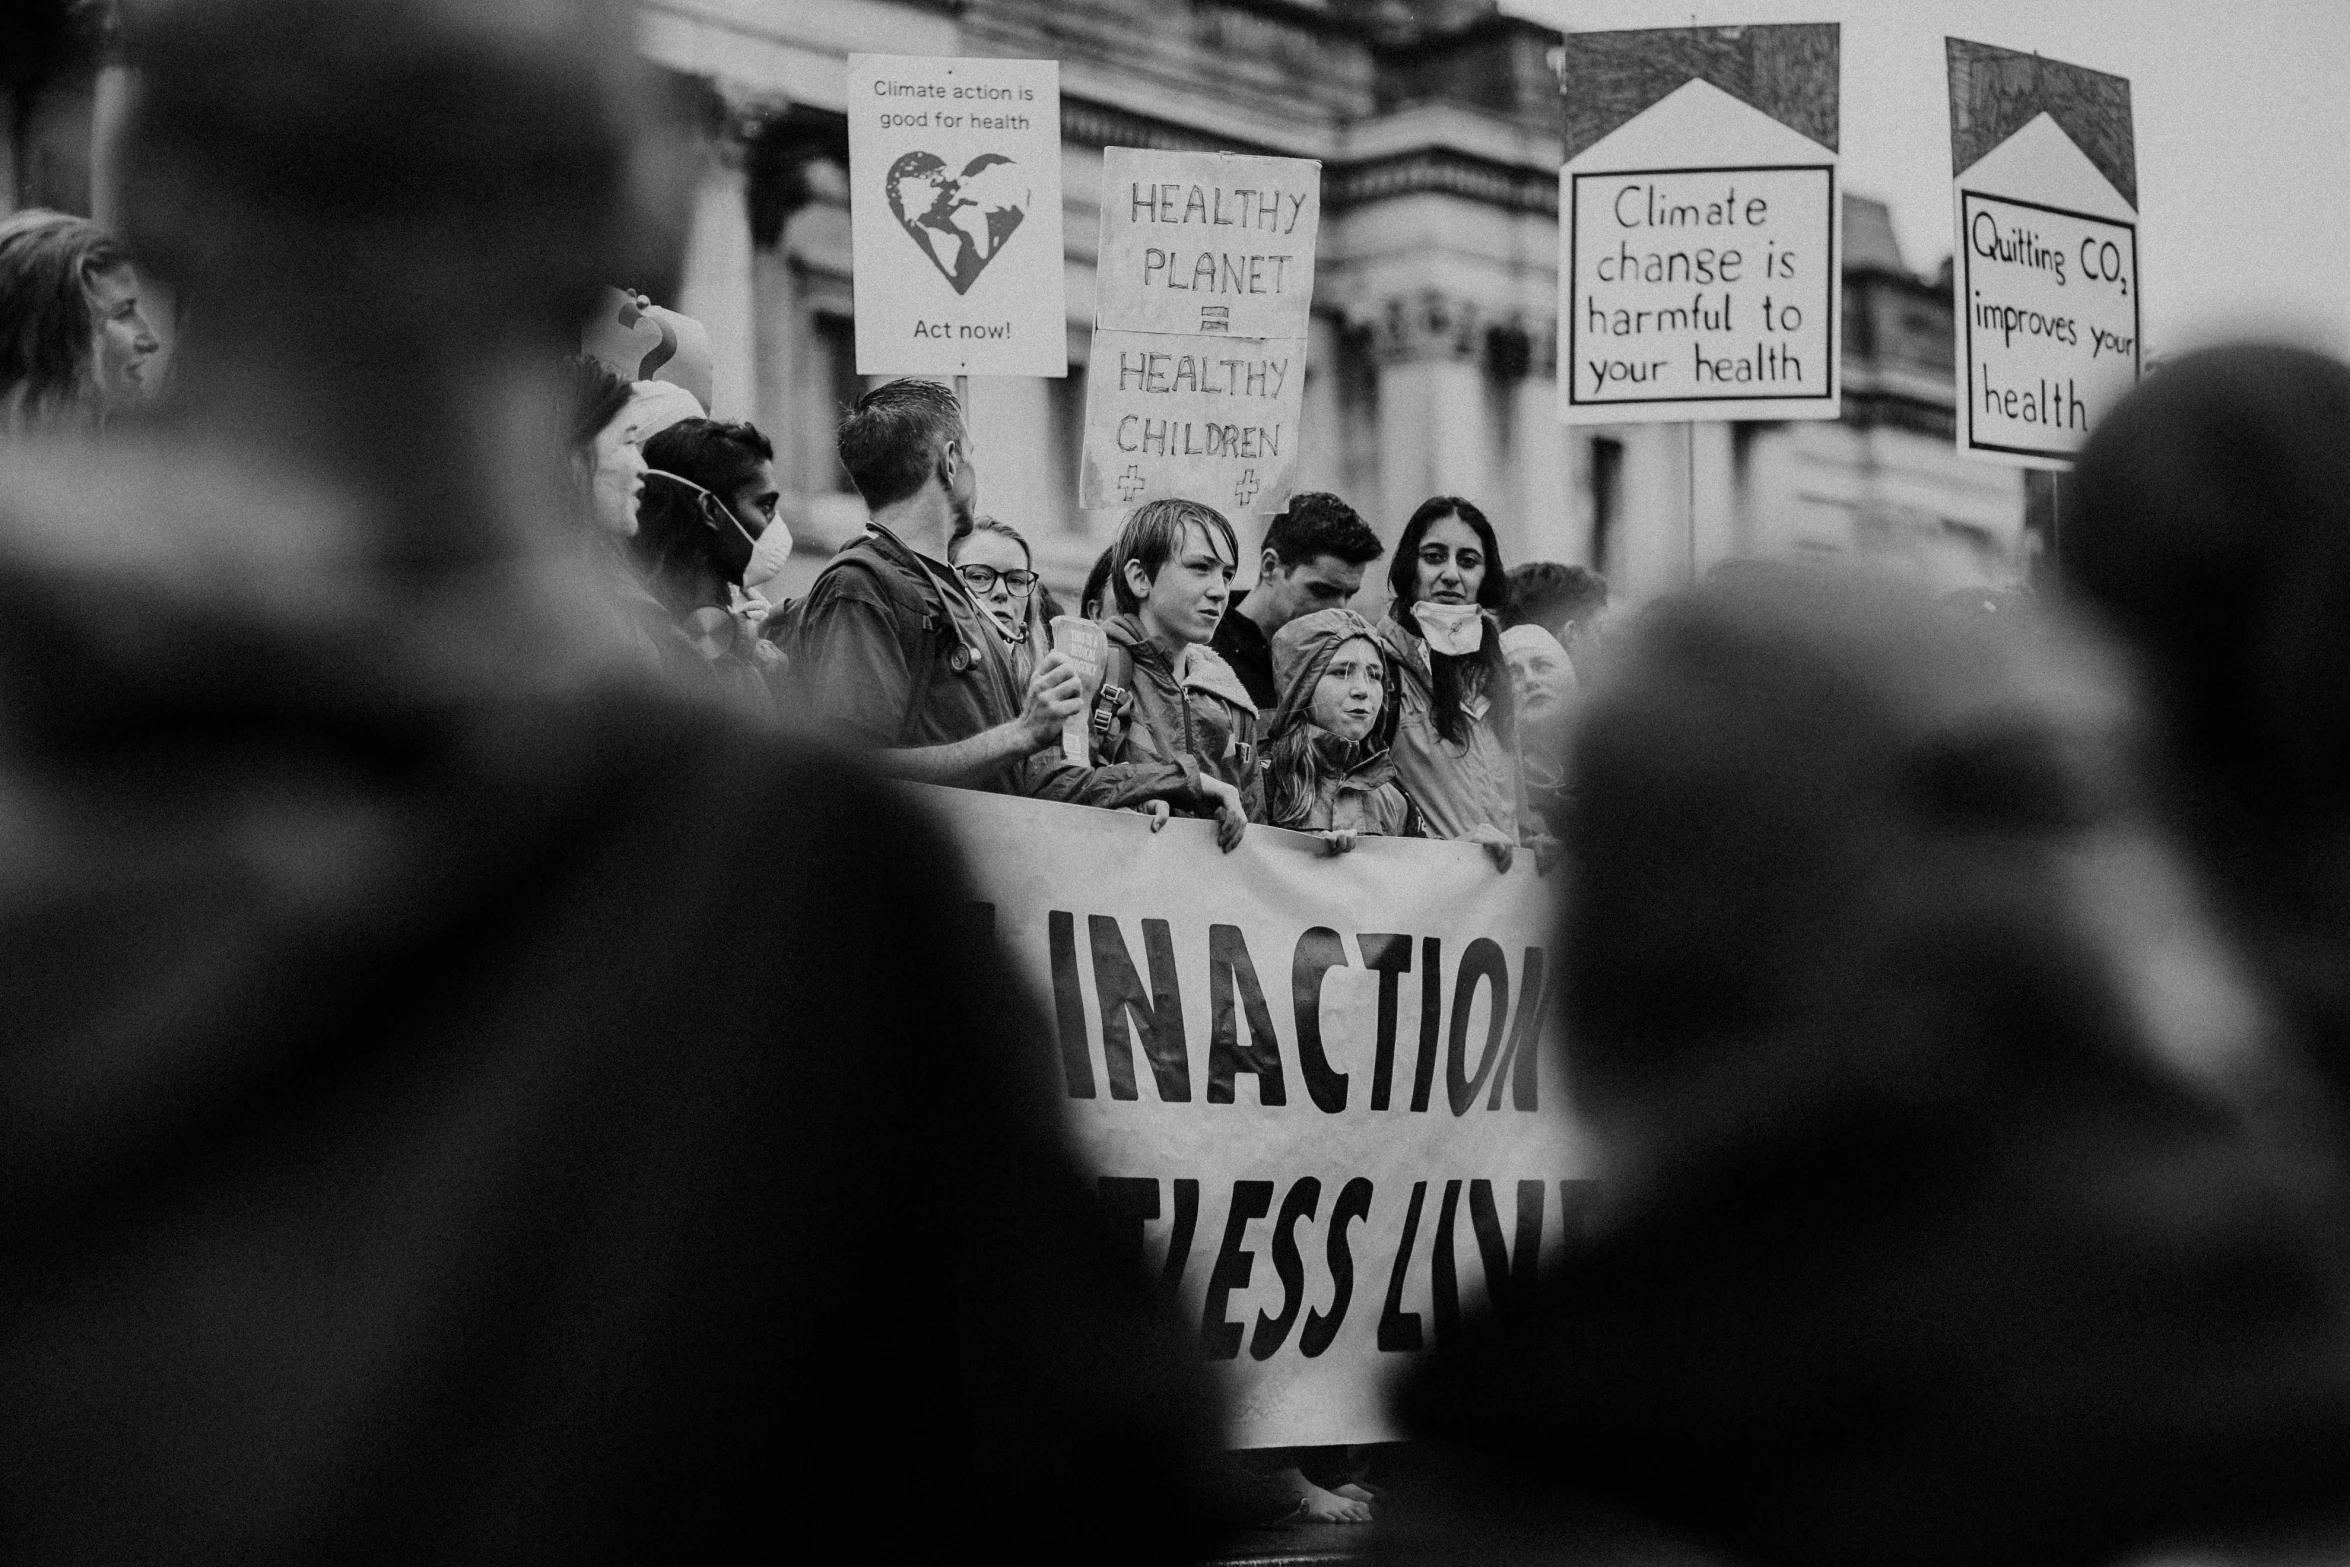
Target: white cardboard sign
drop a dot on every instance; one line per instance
(955, 216)
(2047, 286)
(1212, 419)
(1197, 383)
(1213, 243)
(1700, 277)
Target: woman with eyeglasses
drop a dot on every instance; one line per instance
(992, 559)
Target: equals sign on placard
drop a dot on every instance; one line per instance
(1215, 318)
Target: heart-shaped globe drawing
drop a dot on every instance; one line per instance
(960, 221)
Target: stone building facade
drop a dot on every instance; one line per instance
(1432, 357)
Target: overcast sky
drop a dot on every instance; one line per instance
(2243, 135)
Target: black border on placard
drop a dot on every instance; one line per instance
(1966, 290)
(1827, 306)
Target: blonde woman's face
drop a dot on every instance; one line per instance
(618, 478)
(989, 548)
(127, 344)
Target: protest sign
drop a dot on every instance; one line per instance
(1701, 225)
(955, 216)
(1323, 1094)
(2045, 190)
(1205, 281)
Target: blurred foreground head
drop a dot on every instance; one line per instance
(1958, 1209)
(387, 220)
(2208, 525)
(429, 1131)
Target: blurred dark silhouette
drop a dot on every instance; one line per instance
(1961, 1204)
(2209, 526)
(423, 1135)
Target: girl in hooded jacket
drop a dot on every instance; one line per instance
(1328, 769)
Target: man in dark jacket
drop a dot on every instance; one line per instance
(1313, 560)
(421, 1138)
(891, 654)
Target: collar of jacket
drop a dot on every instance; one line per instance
(937, 579)
(1351, 764)
(1201, 667)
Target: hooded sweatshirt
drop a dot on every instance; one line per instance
(1343, 785)
(426, 1137)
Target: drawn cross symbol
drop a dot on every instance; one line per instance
(1246, 490)
(1131, 483)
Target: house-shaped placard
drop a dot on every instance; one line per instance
(2046, 278)
(1700, 225)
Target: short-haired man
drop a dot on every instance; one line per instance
(891, 652)
(1313, 559)
(1166, 699)
(1567, 601)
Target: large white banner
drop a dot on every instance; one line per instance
(1323, 1093)
(955, 216)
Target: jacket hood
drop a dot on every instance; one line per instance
(1302, 650)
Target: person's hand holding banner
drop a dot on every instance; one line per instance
(1231, 814)
(1497, 843)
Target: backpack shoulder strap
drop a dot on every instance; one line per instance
(1112, 704)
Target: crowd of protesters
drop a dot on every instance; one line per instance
(427, 1133)
(930, 640)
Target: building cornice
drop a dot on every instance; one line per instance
(1444, 171)
(1092, 123)
(1441, 171)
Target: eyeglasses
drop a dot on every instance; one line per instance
(981, 579)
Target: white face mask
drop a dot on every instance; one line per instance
(768, 554)
(1451, 629)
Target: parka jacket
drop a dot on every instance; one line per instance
(1193, 713)
(1458, 787)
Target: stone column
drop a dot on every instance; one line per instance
(718, 288)
(1547, 483)
(1435, 435)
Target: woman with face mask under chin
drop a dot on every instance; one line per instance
(1455, 714)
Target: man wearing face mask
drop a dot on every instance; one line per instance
(709, 498)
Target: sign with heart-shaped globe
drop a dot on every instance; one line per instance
(955, 216)
(959, 218)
